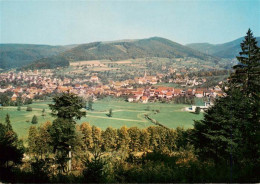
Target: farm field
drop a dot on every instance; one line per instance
(124, 114)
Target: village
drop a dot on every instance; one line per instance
(143, 89)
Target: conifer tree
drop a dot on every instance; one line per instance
(12, 149)
(247, 71)
(90, 103)
(110, 113)
(67, 108)
(94, 171)
(29, 108)
(8, 123)
(43, 112)
(32, 140)
(63, 138)
(34, 120)
(197, 110)
(230, 131)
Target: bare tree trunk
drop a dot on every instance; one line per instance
(69, 159)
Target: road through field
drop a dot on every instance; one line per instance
(115, 118)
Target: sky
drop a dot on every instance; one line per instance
(62, 22)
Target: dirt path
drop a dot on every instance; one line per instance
(24, 108)
(100, 112)
(116, 118)
(139, 116)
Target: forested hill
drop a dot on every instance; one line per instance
(129, 49)
(226, 50)
(17, 55)
(151, 47)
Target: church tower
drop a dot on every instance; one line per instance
(145, 74)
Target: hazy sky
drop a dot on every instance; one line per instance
(60, 22)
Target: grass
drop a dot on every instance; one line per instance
(124, 113)
(168, 85)
(21, 120)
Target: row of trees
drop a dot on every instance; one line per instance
(125, 139)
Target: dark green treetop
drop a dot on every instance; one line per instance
(34, 120)
(67, 106)
(247, 71)
(230, 131)
(8, 123)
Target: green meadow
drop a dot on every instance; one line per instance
(124, 114)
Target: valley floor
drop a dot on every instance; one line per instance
(124, 114)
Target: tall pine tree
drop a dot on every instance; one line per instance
(8, 123)
(229, 132)
(67, 108)
(11, 148)
(247, 71)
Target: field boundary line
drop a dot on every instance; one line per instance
(115, 118)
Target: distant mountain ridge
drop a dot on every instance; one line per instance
(125, 49)
(118, 50)
(226, 50)
(29, 56)
(17, 55)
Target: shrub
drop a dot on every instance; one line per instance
(34, 120)
(197, 110)
(29, 109)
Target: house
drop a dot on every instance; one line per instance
(136, 98)
(169, 95)
(3, 90)
(190, 92)
(163, 89)
(77, 86)
(161, 95)
(144, 99)
(199, 94)
(14, 97)
(177, 92)
(94, 79)
(152, 91)
(138, 94)
(217, 88)
(130, 99)
(203, 108)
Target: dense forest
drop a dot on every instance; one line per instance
(48, 63)
(223, 147)
(18, 55)
(120, 50)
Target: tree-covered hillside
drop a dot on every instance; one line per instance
(152, 47)
(226, 50)
(130, 49)
(17, 55)
(48, 63)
